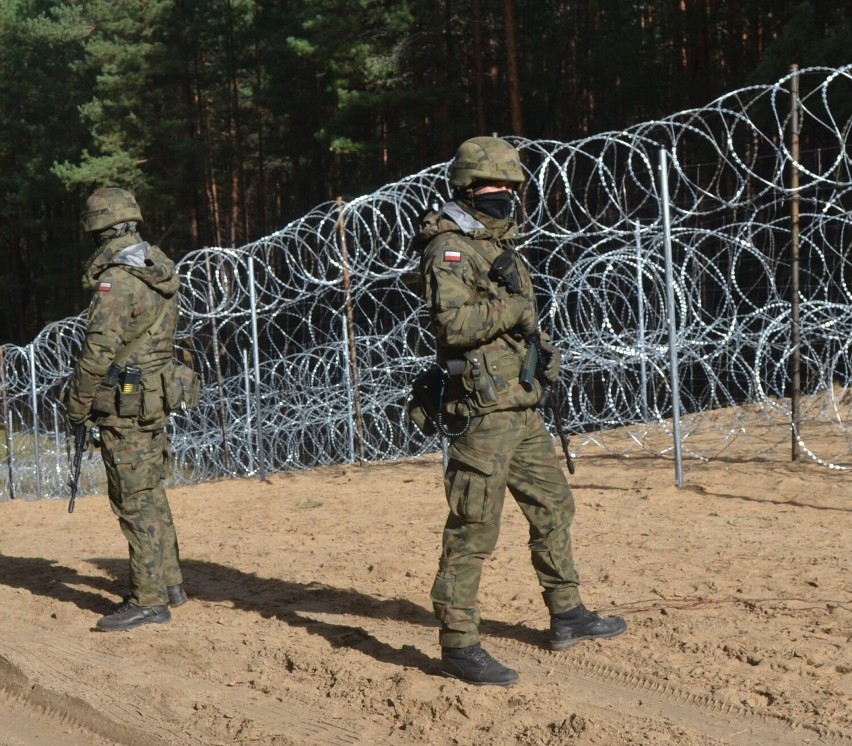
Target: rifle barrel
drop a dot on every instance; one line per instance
(79, 447)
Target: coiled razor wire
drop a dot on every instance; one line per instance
(311, 365)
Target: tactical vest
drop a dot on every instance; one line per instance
(485, 378)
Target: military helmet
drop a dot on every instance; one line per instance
(485, 159)
(107, 206)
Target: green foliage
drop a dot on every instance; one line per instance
(40, 87)
(795, 35)
(118, 55)
(229, 119)
(113, 168)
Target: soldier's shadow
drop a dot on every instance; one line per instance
(46, 577)
(296, 604)
(304, 604)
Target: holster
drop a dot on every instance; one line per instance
(423, 403)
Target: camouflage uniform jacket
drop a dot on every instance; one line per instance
(135, 293)
(470, 313)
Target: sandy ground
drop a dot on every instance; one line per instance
(309, 619)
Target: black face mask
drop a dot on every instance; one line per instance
(496, 204)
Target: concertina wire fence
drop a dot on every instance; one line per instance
(308, 339)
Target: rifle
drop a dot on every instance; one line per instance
(556, 412)
(505, 272)
(80, 432)
(534, 366)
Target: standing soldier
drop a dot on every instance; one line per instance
(482, 327)
(117, 386)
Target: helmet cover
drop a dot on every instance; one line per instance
(485, 159)
(107, 206)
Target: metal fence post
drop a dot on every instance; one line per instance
(670, 302)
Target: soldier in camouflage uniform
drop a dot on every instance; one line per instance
(481, 328)
(117, 386)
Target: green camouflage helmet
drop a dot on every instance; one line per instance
(108, 206)
(485, 159)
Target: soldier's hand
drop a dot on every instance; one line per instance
(522, 316)
(552, 358)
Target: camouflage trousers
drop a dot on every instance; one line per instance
(503, 449)
(136, 468)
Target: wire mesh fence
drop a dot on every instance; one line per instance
(308, 338)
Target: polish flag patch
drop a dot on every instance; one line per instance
(450, 255)
(104, 287)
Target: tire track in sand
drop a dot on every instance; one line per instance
(33, 676)
(591, 683)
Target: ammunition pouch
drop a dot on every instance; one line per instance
(129, 403)
(119, 393)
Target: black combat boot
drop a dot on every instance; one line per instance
(474, 665)
(177, 595)
(128, 616)
(576, 625)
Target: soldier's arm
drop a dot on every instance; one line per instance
(459, 318)
(109, 314)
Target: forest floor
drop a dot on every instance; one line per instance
(309, 620)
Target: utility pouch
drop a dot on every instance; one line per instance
(181, 387)
(105, 400)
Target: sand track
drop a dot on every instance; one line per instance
(309, 618)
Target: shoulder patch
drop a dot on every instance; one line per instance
(104, 287)
(452, 255)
